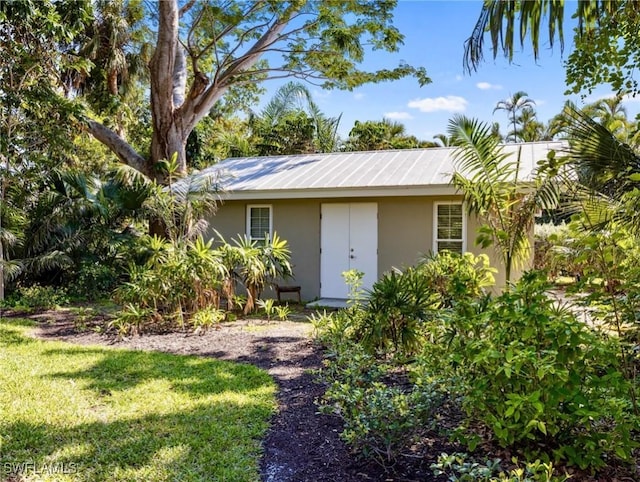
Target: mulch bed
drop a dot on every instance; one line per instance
(302, 445)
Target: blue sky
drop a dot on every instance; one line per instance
(435, 32)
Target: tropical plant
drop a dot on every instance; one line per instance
(177, 280)
(283, 312)
(489, 182)
(537, 376)
(292, 123)
(205, 318)
(78, 220)
(611, 113)
(267, 306)
(262, 262)
(397, 306)
(454, 277)
(376, 135)
(531, 130)
(514, 105)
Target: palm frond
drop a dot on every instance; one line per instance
(602, 162)
(11, 269)
(49, 261)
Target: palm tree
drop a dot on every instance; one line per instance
(558, 126)
(491, 189)
(443, 140)
(117, 43)
(612, 114)
(531, 129)
(293, 104)
(512, 106)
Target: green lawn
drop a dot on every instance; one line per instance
(102, 414)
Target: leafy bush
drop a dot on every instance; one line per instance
(460, 469)
(401, 302)
(283, 312)
(379, 420)
(94, 281)
(537, 377)
(545, 236)
(40, 297)
(177, 280)
(205, 318)
(131, 319)
(397, 305)
(456, 277)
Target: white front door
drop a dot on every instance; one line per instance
(348, 240)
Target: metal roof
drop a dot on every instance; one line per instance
(350, 174)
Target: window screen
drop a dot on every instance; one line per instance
(449, 228)
(259, 222)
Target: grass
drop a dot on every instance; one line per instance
(70, 413)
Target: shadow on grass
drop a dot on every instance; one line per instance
(124, 369)
(127, 415)
(191, 445)
(12, 332)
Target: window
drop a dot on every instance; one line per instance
(258, 222)
(449, 228)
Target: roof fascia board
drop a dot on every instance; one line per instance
(432, 190)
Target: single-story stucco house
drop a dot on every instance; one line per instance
(365, 210)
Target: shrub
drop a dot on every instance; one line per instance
(205, 318)
(460, 469)
(40, 297)
(545, 237)
(400, 302)
(177, 280)
(93, 281)
(454, 277)
(379, 420)
(537, 377)
(397, 305)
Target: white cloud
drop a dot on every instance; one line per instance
(398, 115)
(450, 103)
(358, 96)
(459, 78)
(488, 86)
(540, 102)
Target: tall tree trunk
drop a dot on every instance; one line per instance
(168, 139)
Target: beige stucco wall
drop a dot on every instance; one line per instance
(298, 222)
(405, 231)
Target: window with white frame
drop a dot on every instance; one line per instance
(259, 222)
(449, 227)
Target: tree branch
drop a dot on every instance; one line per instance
(117, 145)
(186, 7)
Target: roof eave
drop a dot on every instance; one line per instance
(355, 192)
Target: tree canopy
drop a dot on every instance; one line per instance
(198, 52)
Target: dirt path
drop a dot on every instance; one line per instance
(301, 445)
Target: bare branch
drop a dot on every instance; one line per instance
(117, 145)
(186, 7)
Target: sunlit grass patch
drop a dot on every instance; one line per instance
(98, 414)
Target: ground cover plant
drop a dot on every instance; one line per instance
(87, 413)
